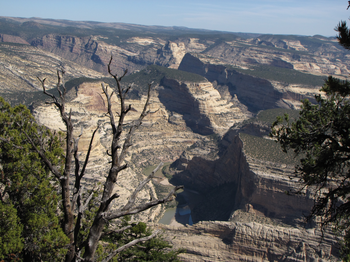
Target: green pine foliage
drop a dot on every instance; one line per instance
(27, 187)
(29, 192)
(155, 249)
(11, 242)
(322, 136)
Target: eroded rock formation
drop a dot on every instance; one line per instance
(237, 241)
(256, 93)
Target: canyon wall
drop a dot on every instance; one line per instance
(238, 180)
(251, 241)
(256, 93)
(187, 120)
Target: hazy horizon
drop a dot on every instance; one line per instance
(294, 17)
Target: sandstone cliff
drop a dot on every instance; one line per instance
(256, 93)
(234, 183)
(229, 182)
(12, 39)
(200, 105)
(165, 134)
(87, 51)
(20, 65)
(240, 241)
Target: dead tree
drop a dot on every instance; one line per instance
(72, 200)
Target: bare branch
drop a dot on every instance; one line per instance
(44, 89)
(82, 173)
(141, 207)
(118, 231)
(114, 196)
(109, 107)
(130, 244)
(142, 184)
(59, 84)
(125, 72)
(42, 155)
(76, 194)
(9, 142)
(85, 205)
(68, 223)
(137, 124)
(104, 214)
(128, 89)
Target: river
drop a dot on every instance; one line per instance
(182, 213)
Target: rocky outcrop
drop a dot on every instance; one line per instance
(12, 39)
(257, 94)
(313, 55)
(239, 241)
(238, 179)
(20, 65)
(167, 45)
(266, 223)
(201, 106)
(87, 51)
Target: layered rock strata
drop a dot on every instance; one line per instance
(20, 65)
(233, 179)
(241, 241)
(164, 135)
(201, 106)
(256, 93)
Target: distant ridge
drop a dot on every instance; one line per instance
(120, 25)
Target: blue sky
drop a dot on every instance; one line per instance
(302, 17)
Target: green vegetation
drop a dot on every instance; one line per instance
(148, 170)
(155, 249)
(11, 240)
(152, 73)
(266, 150)
(31, 31)
(268, 116)
(162, 173)
(284, 75)
(27, 193)
(157, 73)
(321, 136)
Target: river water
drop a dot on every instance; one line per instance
(168, 216)
(182, 213)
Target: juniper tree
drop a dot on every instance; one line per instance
(27, 192)
(321, 136)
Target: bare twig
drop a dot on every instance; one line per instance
(130, 244)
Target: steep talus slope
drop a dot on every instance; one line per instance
(12, 39)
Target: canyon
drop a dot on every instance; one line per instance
(206, 124)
